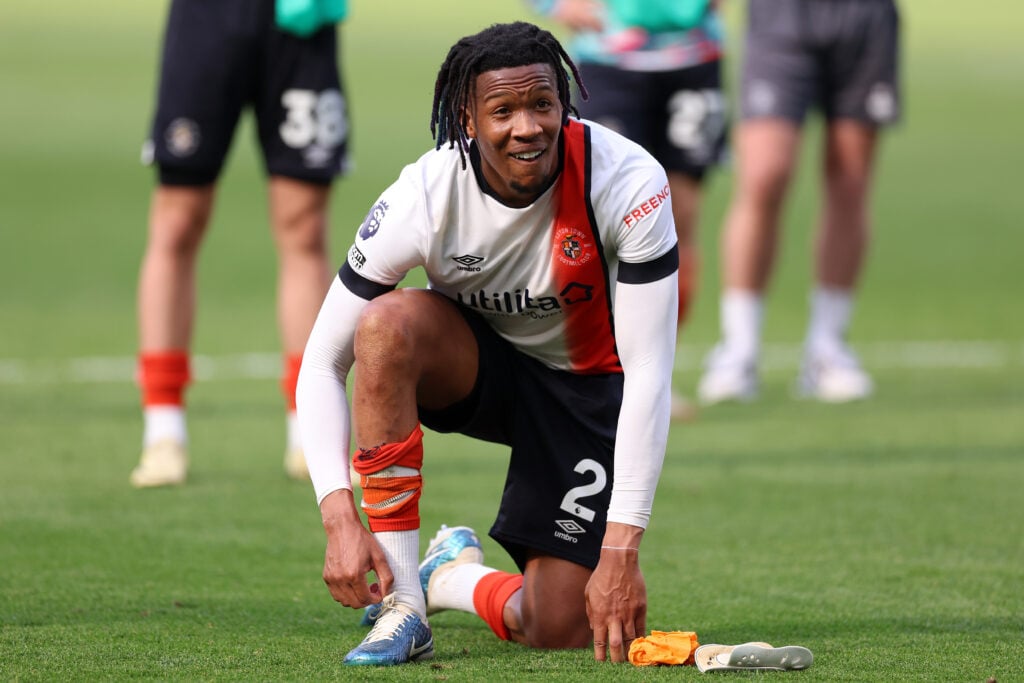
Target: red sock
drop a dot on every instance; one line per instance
(684, 308)
(290, 378)
(688, 270)
(163, 376)
(490, 596)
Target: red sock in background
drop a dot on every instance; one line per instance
(163, 376)
(689, 270)
(490, 596)
(290, 378)
(684, 305)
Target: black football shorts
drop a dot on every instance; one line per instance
(221, 56)
(840, 56)
(561, 427)
(679, 116)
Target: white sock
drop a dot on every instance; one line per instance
(294, 437)
(402, 549)
(453, 589)
(742, 311)
(163, 422)
(831, 310)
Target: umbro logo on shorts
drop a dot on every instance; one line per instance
(568, 529)
(570, 526)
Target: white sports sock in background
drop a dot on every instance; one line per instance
(294, 437)
(742, 312)
(831, 310)
(164, 422)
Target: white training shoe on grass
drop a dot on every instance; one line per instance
(752, 657)
(834, 377)
(727, 377)
(165, 463)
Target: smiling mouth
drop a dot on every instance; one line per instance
(527, 156)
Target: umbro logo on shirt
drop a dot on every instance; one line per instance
(468, 262)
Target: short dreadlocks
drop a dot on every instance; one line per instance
(501, 46)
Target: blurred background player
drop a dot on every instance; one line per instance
(653, 73)
(220, 56)
(840, 55)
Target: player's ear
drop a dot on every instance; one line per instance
(467, 123)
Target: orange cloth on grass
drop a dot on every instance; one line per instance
(663, 647)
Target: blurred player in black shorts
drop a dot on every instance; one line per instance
(653, 73)
(839, 56)
(219, 58)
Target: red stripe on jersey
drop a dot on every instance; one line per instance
(578, 265)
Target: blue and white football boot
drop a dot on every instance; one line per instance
(398, 636)
(451, 546)
(370, 614)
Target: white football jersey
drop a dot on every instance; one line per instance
(542, 275)
(545, 276)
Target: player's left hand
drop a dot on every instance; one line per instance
(616, 598)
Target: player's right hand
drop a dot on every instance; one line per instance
(352, 553)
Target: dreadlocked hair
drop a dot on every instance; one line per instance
(501, 46)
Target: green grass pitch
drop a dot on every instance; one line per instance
(888, 536)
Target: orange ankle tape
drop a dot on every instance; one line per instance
(490, 596)
(290, 378)
(163, 377)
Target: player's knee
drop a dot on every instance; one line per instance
(561, 628)
(179, 218)
(766, 184)
(556, 634)
(384, 336)
(847, 191)
(301, 233)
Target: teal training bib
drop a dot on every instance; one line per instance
(305, 17)
(660, 15)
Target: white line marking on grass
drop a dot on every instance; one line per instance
(889, 355)
(981, 355)
(98, 369)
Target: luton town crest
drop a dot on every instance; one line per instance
(571, 247)
(575, 248)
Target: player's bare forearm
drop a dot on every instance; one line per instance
(351, 553)
(618, 535)
(617, 594)
(338, 509)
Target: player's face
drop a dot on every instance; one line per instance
(516, 118)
